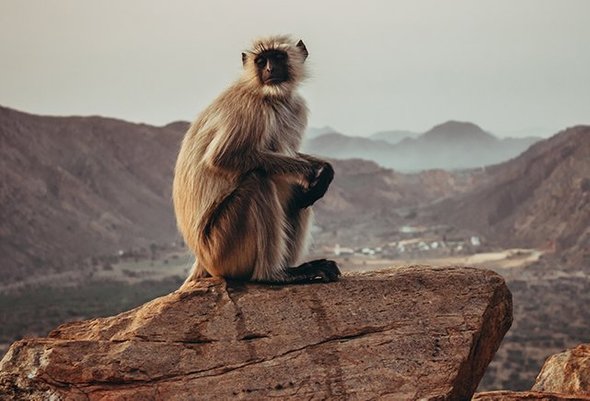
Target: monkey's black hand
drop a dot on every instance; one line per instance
(318, 185)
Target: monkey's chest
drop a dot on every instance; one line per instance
(283, 138)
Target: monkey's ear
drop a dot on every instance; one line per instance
(244, 58)
(303, 49)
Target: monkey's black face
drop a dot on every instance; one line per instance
(273, 67)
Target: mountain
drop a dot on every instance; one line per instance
(393, 137)
(313, 132)
(75, 187)
(340, 146)
(456, 145)
(452, 145)
(457, 132)
(178, 126)
(539, 199)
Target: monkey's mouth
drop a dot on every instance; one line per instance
(274, 81)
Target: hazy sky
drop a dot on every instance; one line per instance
(507, 65)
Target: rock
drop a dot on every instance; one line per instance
(526, 395)
(411, 333)
(567, 372)
(564, 376)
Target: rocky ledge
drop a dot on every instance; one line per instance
(567, 372)
(565, 376)
(527, 396)
(404, 334)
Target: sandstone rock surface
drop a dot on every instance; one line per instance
(567, 372)
(527, 395)
(405, 334)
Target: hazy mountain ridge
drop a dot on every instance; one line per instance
(539, 199)
(394, 136)
(314, 132)
(451, 145)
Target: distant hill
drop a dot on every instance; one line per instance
(178, 126)
(313, 132)
(74, 187)
(393, 137)
(539, 199)
(340, 146)
(458, 132)
(451, 145)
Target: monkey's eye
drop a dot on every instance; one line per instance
(261, 62)
(280, 56)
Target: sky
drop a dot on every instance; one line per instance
(514, 67)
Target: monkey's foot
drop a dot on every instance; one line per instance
(320, 270)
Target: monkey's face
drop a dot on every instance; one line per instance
(272, 67)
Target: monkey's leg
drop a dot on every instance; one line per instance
(297, 221)
(244, 237)
(293, 227)
(298, 224)
(248, 237)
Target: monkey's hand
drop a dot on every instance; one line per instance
(319, 181)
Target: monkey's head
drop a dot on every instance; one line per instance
(275, 65)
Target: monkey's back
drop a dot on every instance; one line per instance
(196, 187)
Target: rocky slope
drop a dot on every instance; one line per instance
(413, 333)
(366, 202)
(361, 187)
(75, 187)
(539, 199)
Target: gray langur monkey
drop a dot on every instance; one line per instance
(242, 192)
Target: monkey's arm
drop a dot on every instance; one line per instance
(311, 159)
(269, 162)
(246, 158)
(318, 184)
(277, 163)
